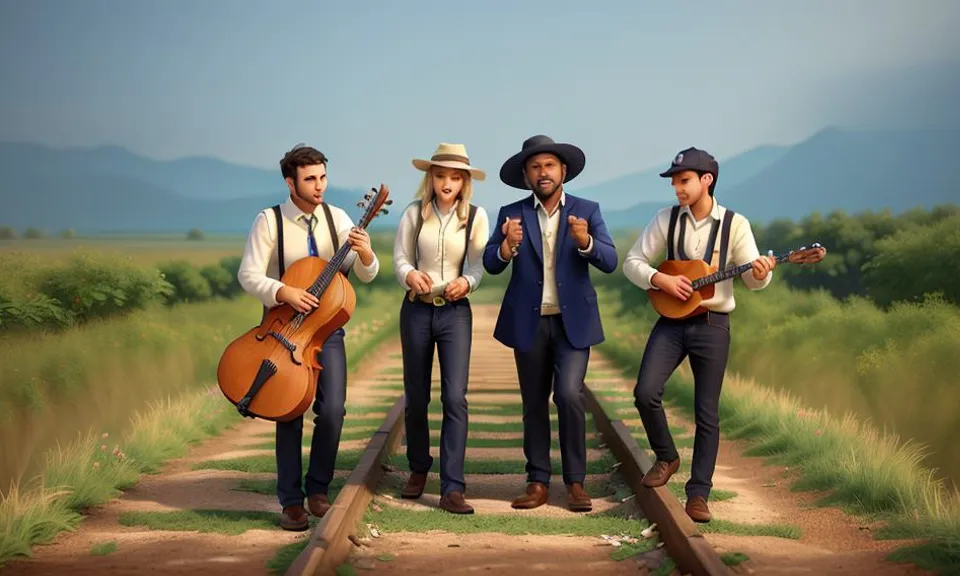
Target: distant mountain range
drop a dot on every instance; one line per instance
(835, 169)
(109, 189)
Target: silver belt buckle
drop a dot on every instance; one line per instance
(439, 301)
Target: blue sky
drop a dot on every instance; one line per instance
(374, 84)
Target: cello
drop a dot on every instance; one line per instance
(270, 372)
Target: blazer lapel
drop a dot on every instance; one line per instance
(562, 226)
(531, 228)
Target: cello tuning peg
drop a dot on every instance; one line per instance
(383, 211)
(388, 201)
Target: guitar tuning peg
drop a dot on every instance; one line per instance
(388, 201)
(360, 204)
(383, 211)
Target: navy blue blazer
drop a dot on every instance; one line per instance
(520, 311)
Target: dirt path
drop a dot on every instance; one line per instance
(190, 484)
(411, 551)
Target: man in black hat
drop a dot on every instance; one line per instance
(718, 235)
(549, 314)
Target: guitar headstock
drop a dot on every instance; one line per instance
(373, 203)
(804, 255)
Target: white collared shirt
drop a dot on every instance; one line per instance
(260, 268)
(440, 246)
(652, 245)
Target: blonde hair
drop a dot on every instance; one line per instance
(426, 194)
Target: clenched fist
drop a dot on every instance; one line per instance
(578, 229)
(512, 237)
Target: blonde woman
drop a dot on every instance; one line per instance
(438, 259)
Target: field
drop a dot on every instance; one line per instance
(848, 350)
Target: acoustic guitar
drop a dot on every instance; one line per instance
(704, 277)
(270, 372)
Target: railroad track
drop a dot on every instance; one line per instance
(370, 527)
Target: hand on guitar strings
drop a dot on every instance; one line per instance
(763, 266)
(679, 287)
(301, 300)
(419, 282)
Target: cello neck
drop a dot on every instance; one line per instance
(332, 267)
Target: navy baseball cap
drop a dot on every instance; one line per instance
(692, 159)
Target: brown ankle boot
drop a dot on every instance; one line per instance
(697, 509)
(415, 486)
(536, 495)
(318, 504)
(454, 503)
(577, 499)
(660, 473)
(294, 518)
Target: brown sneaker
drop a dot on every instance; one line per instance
(415, 485)
(577, 499)
(453, 502)
(294, 518)
(660, 473)
(318, 505)
(536, 495)
(697, 509)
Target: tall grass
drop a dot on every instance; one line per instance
(811, 369)
(93, 468)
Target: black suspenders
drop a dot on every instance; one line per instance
(722, 226)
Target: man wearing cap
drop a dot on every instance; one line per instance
(549, 314)
(696, 227)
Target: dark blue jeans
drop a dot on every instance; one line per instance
(449, 328)
(329, 411)
(706, 339)
(553, 365)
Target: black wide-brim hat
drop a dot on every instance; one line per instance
(511, 173)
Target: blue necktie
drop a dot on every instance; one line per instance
(311, 242)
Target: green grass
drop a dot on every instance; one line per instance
(734, 558)
(393, 519)
(864, 471)
(286, 556)
(165, 355)
(720, 526)
(104, 548)
(228, 522)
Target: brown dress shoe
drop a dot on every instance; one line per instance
(453, 502)
(318, 504)
(536, 495)
(415, 485)
(577, 499)
(660, 473)
(697, 509)
(294, 518)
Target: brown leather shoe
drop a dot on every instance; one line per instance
(697, 509)
(660, 473)
(577, 499)
(318, 505)
(294, 518)
(453, 502)
(415, 485)
(536, 495)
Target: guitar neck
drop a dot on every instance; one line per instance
(722, 275)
